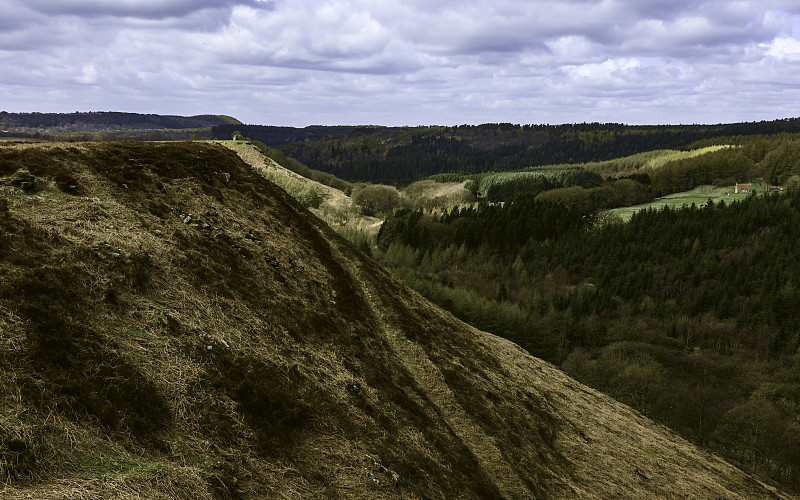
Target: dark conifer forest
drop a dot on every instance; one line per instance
(690, 315)
(404, 154)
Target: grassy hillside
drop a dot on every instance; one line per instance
(175, 326)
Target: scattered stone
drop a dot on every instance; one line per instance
(157, 232)
(212, 342)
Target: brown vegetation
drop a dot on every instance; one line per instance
(172, 325)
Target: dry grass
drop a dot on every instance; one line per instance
(165, 334)
(335, 207)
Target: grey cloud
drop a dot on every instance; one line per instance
(142, 9)
(15, 17)
(297, 62)
(368, 66)
(659, 9)
(498, 43)
(785, 5)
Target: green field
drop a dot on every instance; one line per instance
(698, 196)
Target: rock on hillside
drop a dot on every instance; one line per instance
(174, 326)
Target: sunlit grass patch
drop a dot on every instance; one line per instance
(698, 196)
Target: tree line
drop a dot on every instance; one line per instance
(107, 120)
(400, 155)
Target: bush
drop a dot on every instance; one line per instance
(376, 199)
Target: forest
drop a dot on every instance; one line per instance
(689, 314)
(401, 155)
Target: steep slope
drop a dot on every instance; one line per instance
(331, 199)
(174, 326)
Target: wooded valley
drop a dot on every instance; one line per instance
(691, 315)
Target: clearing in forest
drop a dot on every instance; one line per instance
(699, 196)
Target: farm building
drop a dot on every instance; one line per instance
(775, 189)
(744, 188)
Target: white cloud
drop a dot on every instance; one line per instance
(784, 49)
(610, 71)
(89, 75)
(414, 61)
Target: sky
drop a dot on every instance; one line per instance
(406, 62)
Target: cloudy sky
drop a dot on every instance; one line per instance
(406, 62)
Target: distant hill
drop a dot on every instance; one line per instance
(112, 124)
(175, 326)
(401, 155)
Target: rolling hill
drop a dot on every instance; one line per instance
(401, 155)
(172, 325)
(108, 125)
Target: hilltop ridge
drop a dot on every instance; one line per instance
(108, 125)
(175, 326)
